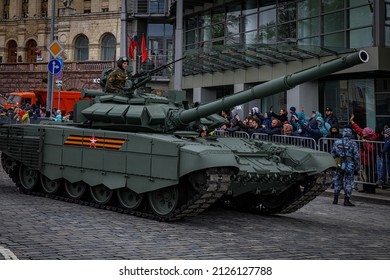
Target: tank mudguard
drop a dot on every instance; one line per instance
(197, 157)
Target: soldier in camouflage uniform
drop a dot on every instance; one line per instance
(348, 151)
(116, 79)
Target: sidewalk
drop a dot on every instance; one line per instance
(382, 196)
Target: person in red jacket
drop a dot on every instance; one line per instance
(367, 150)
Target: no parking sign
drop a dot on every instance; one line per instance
(59, 75)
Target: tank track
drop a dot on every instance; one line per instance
(312, 189)
(299, 196)
(218, 181)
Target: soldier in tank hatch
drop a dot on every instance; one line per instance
(117, 79)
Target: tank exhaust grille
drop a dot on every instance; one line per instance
(21, 144)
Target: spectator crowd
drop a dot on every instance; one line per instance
(26, 113)
(317, 126)
(292, 123)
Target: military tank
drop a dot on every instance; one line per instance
(132, 152)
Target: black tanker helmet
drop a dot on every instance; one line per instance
(121, 60)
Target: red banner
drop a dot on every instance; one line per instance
(144, 51)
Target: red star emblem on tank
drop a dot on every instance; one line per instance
(93, 141)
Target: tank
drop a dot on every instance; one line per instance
(138, 153)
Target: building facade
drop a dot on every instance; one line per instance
(91, 32)
(233, 45)
(88, 30)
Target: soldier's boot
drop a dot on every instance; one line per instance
(347, 202)
(336, 198)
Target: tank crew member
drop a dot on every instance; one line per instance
(348, 152)
(116, 79)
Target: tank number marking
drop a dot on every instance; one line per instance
(94, 142)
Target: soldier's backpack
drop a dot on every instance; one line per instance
(104, 77)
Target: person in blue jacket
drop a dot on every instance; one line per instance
(347, 151)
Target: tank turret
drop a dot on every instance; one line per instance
(128, 152)
(138, 112)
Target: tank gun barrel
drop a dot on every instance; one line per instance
(274, 86)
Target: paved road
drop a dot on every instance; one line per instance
(41, 229)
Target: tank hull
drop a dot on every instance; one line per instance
(145, 163)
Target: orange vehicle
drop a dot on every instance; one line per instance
(63, 100)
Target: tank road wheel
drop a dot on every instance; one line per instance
(75, 190)
(28, 177)
(274, 203)
(100, 194)
(129, 199)
(7, 163)
(50, 186)
(164, 201)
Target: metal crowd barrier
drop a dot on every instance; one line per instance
(369, 162)
(369, 159)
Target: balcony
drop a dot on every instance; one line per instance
(148, 8)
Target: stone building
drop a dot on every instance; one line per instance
(87, 30)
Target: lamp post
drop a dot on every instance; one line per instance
(50, 76)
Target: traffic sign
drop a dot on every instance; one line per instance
(59, 75)
(54, 66)
(55, 48)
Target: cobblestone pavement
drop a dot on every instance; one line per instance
(41, 229)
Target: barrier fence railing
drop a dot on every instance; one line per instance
(370, 164)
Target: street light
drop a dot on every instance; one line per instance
(50, 76)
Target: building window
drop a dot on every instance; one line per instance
(157, 7)
(160, 46)
(382, 101)
(87, 6)
(31, 47)
(332, 24)
(12, 48)
(44, 8)
(335, 24)
(250, 22)
(6, 9)
(25, 9)
(142, 6)
(387, 23)
(108, 47)
(81, 48)
(346, 97)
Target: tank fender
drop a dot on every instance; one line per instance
(310, 159)
(197, 157)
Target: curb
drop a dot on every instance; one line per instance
(377, 198)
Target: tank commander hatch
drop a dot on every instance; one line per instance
(116, 80)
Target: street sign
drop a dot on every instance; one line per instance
(60, 75)
(54, 66)
(55, 48)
